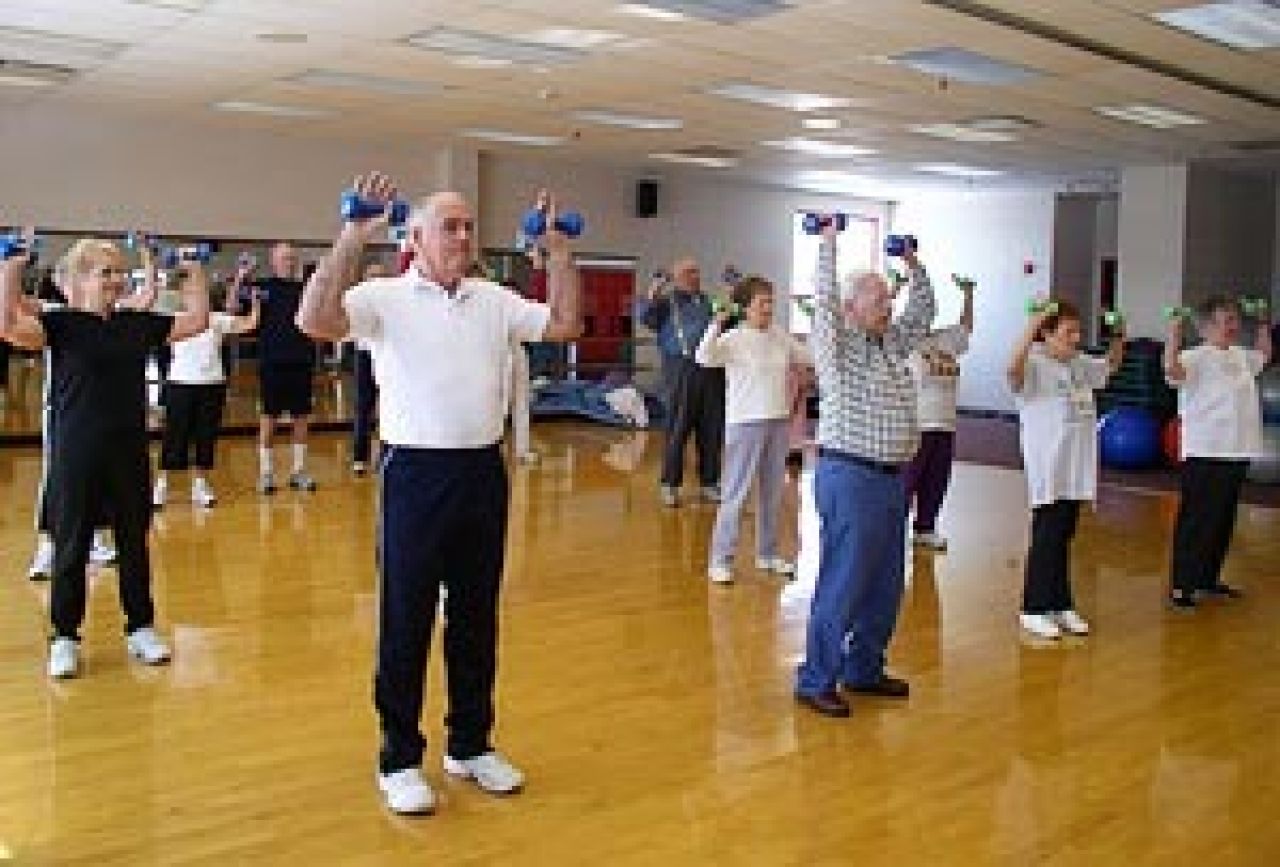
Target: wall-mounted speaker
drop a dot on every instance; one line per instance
(646, 198)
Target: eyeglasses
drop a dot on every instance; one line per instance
(108, 273)
(457, 225)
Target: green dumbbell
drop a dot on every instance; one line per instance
(1113, 319)
(720, 306)
(896, 278)
(1254, 307)
(964, 284)
(1178, 312)
(806, 306)
(1038, 306)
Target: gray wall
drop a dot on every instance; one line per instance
(1231, 232)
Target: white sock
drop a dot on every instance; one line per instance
(163, 480)
(299, 457)
(264, 460)
(99, 539)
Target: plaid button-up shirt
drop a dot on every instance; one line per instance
(868, 399)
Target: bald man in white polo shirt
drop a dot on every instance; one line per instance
(440, 345)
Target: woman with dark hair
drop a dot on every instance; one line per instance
(1054, 383)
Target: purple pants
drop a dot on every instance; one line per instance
(927, 477)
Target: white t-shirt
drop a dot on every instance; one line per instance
(442, 362)
(937, 375)
(1059, 426)
(756, 364)
(198, 360)
(1219, 403)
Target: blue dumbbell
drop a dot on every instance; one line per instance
(15, 244)
(815, 223)
(897, 245)
(353, 207)
(534, 223)
(139, 241)
(172, 257)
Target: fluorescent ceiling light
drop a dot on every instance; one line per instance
(962, 133)
(1246, 24)
(1154, 116)
(821, 123)
(952, 170)
(332, 78)
(474, 61)
(695, 160)
(644, 10)
(42, 46)
(581, 40)
(630, 121)
(843, 182)
(14, 74)
(507, 137)
(777, 98)
(469, 43)
(959, 64)
(250, 107)
(176, 5)
(717, 11)
(819, 148)
(282, 38)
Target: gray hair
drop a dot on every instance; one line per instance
(856, 282)
(422, 212)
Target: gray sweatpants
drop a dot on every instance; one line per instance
(755, 452)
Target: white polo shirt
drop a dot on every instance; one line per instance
(441, 362)
(1219, 403)
(937, 375)
(198, 360)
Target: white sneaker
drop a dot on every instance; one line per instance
(301, 481)
(146, 647)
(1040, 625)
(407, 793)
(64, 658)
(929, 541)
(101, 554)
(359, 467)
(709, 494)
(1071, 623)
(720, 575)
(160, 493)
(202, 493)
(776, 565)
(41, 562)
(267, 484)
(670, 496)
(528, 457)
(490, 772)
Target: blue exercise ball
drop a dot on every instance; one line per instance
(1129, 439)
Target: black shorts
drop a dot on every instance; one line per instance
(286, 388)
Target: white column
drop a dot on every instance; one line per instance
(1152, 239)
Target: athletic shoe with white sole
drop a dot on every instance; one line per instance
(202, 494)
(41, 568)
(145, 646)
(64, 658)
(1040, 625)
(1071, 623)
(407, 792)
(490, 771)
(776, 565)
(720, 574)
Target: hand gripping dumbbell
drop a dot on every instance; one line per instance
(352, 207)
(1114, 320)
(724, 306)
(806, 306)
(14, 245)
(1041, 307)
(139, 241)
(1255, 308)
(534, 223)
(815, 223)
(898, 245)
(1173, 312)
(964, 284)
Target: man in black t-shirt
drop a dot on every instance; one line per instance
(98, 442)
(286, 363)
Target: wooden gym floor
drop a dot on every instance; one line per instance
(653, 713)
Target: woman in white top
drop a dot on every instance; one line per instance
(195, 395)
(937, 375)
(756, 356)
(1054, 384)
(1221, 415)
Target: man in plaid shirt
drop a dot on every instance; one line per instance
(867, 432)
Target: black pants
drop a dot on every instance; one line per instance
(193, 417)
(443, 522)
(84, 478)
(1047, 584)
(695, 405)
(1206, 521)
(5, 352)
(366, 401)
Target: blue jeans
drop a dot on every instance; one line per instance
(862, 515)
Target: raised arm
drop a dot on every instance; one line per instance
(320, 313)
(17, 325)
(564, 288)
(655, 310)
(922, 303)
(712, 351)
(249, 322)
(829, 327)
(194, 317)
(1173, 369)
(1115, 350)
(966, 312)
(145, 297)
(1262, 343)
(1017, 370)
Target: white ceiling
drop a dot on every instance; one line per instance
(174, 63)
